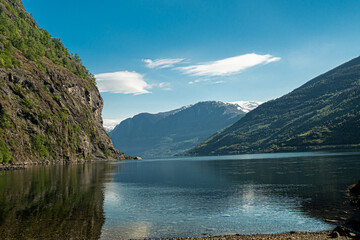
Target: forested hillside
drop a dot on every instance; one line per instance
(323, 114)
(50, 107)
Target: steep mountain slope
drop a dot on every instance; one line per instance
(323, 114)
(50, 107)
(174, 132)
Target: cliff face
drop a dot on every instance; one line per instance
(50, 107)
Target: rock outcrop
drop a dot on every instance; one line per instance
(50, 107)
(355, 201)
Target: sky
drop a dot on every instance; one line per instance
(154, 56)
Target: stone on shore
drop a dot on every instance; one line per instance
(356, 189)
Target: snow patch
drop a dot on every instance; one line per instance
(110, 124)
(246, 106)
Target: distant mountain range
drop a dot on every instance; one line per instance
(323, 114)
(169, 133)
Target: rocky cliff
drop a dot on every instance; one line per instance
(50, 107)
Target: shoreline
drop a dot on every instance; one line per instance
(352, 194)
(25, 165)
(275, 236)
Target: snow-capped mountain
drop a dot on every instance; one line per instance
(174, 132)
(246, 106)
(110, 124)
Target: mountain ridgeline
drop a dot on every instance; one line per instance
(323, 114)
(169, 133)
(50, 107)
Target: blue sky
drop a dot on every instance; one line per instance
(152, 56)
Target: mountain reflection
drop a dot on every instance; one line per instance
(174, 198)
(189, 197)
(56, 202)
(318, 182)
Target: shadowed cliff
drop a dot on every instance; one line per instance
(50, 107)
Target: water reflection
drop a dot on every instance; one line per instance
(172, 198)
(56, 202)
(319, 181)
(188, 198)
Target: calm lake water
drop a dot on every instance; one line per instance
(264, 193)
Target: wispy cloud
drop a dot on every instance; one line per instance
(122, 82)
(162, 63)
(165, 86)
(218, 82)
(208, 81)
(228, 66)
(199, 80)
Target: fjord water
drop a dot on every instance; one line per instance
(55, 202)
(192, 196)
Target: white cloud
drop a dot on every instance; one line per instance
(122, 82)
(162, 63)
(207, 81)
(218, 82)
(199, 80)
(228, 66)
(165, 86)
